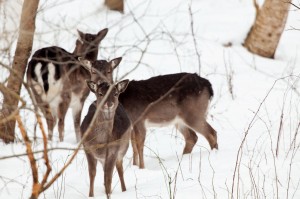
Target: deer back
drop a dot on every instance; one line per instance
(50, 64)
(162, 92)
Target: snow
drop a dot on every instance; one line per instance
(155, 37)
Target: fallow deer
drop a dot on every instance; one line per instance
(57, 80)
(181, 99)
(109, 137)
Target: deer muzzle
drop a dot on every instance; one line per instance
(108, 111)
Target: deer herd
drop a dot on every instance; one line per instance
(122, 111)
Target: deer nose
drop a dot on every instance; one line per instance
(109, 105)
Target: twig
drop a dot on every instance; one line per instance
(36, 185)
(240, 150)
(194, 37)
(36, 152)
(290, 2)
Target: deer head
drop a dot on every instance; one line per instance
(109, 93)
(106, 68)
(87, 44)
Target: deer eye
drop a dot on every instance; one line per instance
(100, 93)
(116, 94)
(89, 38)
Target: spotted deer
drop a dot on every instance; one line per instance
(57, 79)
(108, 139)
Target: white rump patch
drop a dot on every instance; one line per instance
(55, 87)
(39, 85)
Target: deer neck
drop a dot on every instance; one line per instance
(105, 123)
(92, 56)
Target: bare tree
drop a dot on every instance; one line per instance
(115, 5)
(265, 34)
(15, 79)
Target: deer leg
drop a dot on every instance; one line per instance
(194, 113)
(108, 172)
(207, 131)
(92, 164)
(134, 148)
(62, 110)
(190, 138)
(77, 119)
(211, 136)
(50, 122)
(140, 135)
(49, 119)
(45, 108)
(119, 166)
(77, 114)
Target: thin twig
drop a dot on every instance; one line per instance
(33, 165)
(194, 37)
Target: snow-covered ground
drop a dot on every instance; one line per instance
(256, 99)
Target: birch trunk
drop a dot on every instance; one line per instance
(265, 34)
(117, 5)
(15, 79)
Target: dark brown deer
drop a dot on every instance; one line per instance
(181, 99)
(108, 140)
(57, 80)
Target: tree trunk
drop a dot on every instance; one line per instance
(117, 5)
(265, 34)
(15, 79)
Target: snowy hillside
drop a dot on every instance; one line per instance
(256, 100)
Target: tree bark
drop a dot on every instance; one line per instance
(269, 24)
(117, 5)
(15, 79)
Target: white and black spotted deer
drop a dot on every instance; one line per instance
(181, 99)
(108, 139)
(57, 79)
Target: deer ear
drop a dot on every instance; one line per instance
(115, 62)
(92, 85)
(101, 34)
(78, 42)
(81, 35)
(122, 85)
(85, 63)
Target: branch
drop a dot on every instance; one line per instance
(293, 5)
(36, 185)
(194, 39)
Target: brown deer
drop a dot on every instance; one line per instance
(108, 140)
(181, 99)
(57, 80)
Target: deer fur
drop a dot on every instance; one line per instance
(108, 140)
(57, 80)
(181, 99)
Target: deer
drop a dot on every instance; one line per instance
(57, 79)
(108, 139)
(181, 99)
